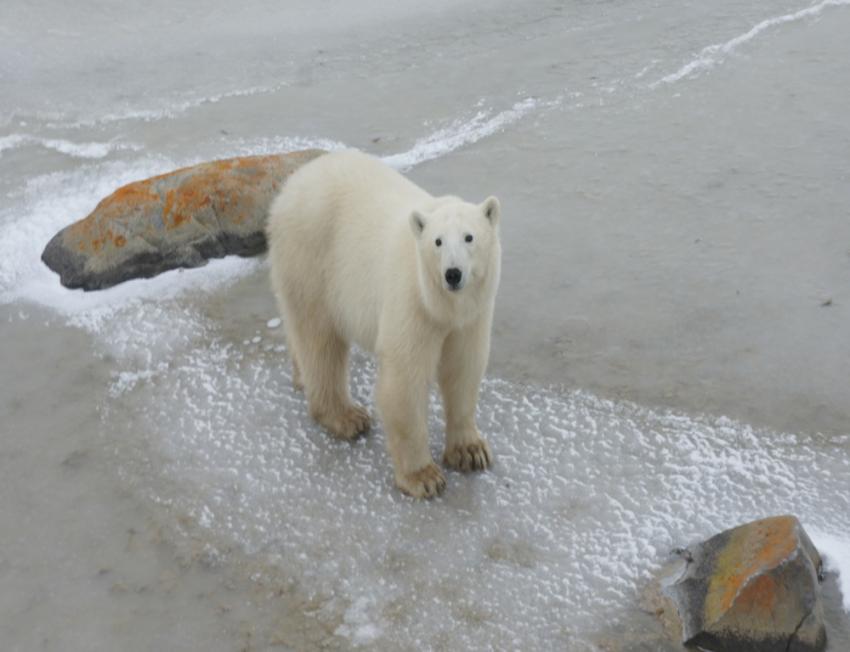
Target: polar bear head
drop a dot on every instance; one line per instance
(459, 253)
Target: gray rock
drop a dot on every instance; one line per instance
(179, 219)
(754, 588)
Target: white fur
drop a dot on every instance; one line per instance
(353, 253)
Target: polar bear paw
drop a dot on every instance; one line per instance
(348, 423)
(471, 456)
(427, 482)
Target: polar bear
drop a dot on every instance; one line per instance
(360, 254)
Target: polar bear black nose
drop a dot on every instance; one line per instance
(453, 276)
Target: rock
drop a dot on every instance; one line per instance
(179, 219)
(754, 588)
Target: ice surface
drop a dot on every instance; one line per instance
(587, 497)
(51, 201)
(168, 109)
(712, 55)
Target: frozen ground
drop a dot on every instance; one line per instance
(677, 245)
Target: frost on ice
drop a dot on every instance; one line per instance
(586, 499)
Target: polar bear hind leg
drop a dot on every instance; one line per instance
(320, 366)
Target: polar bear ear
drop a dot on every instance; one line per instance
(491, 210)
(417, 223)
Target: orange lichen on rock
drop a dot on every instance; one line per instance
(759, 596)
(183, 202)
(96, 230)
(749, 552)
(136, 193)
(189, 192)
(177, 219)
(754, 587)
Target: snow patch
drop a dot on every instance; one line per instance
(125, 381)
(167, 109)
(585, 493)
(91, 150)
(358, 627)
(713, 55)
(835, 551)
(278, 144)
(464, 132)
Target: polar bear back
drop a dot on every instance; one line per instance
(340, 231)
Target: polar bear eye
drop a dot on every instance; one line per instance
(438, 242)
(468, 237)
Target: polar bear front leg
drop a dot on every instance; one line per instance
(462, 365)
(403, 401)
